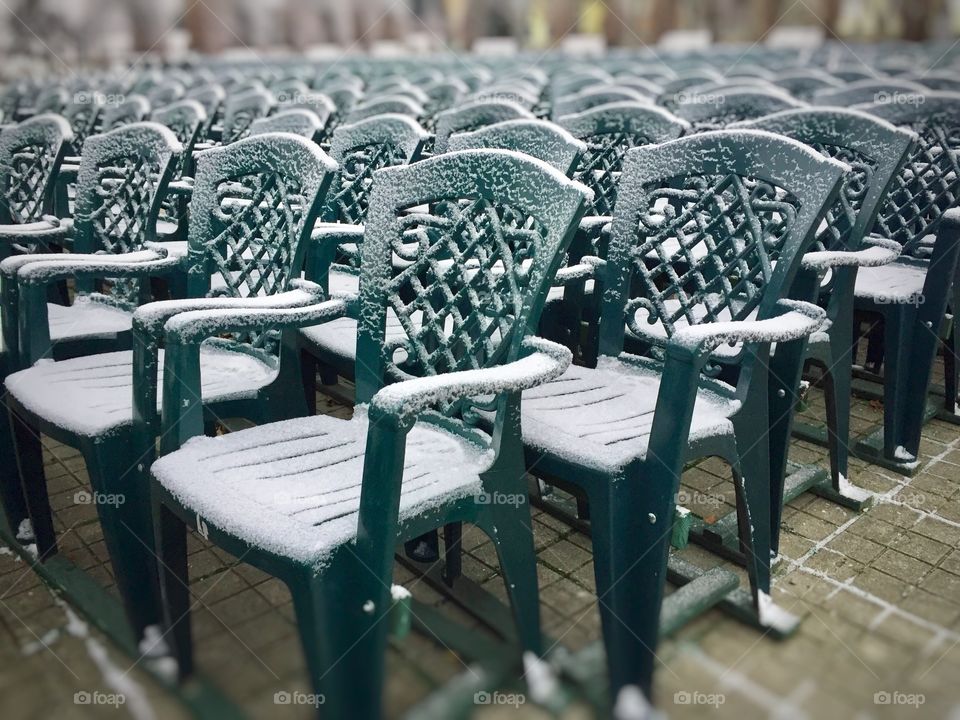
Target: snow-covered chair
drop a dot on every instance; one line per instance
(594, 97)
(239, 112)
(186, 120)
(870, 91)
(911, 295)
(473, 115)
(166, 92)
(716, 109)
(543, 140)
(619, 435)
(875, 151)
(211, 96)
(83, 114)
(804, 82)
(253, 209)
(360, 149)
(297, 121)
(385, 105)
(320, 503)
(132, 109)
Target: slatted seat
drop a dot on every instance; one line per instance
(293, 487)
(891, 283)
(602, 417)
(92, 395)
(86, 319)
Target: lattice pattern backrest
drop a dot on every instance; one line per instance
(473, 115)
(240, 112)
(716, 109)
(134, 108)
(709, 229)
(82, 113)
(609, 132)
(361, 149)
(304, 123)
(872, 148)
(474, 266)
(537, 138)
(254, 203)
(929, 182)
(30, 155)
(184, 119)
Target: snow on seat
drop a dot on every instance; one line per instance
(293, 487)
(895, 282)
(94, 394)
(343, 284)
(602, 417)
(86, 318)
(339, 337)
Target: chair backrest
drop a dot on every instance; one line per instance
(52, 100)
(698, 226)
(133, 108)
(802, 84)
(543, 140)
(304, 123)
(866, 91)
(937, 80)
(386, 104)
(473, 115)
(83, 113)
(186, 119)
(609, 132)
(165, 93)
(317, 103)
(241, 110)
(362, 148)
(928, 184)
(254, 205)
(344, 98)
(594, 96)
(478, 262)
(874, 150)
(120, 186)
(30, 157)
(854, 74)
(714, 110)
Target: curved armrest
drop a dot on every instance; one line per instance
(881, 252)
(182, 187)
(152, 260)
(404, 400)
(583, 270)
(343, 232)
(798, 320)
(50, 229)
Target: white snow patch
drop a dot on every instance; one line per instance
(25, 531)
(399, 592)
(773, 616)
(849, 490)
(632, 704)
(541, 681)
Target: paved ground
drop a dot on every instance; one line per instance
(879, 592)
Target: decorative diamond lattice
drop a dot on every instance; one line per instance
(842, 216)
(28, 175)
(601, 165)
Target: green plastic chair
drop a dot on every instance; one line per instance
(802, 83)
(594, 97)
(297, 121)
(334, 263)
(869, 91)
(386, 105)
(133, 109)
(186, 120)
(910, 297)
(83, 114)
(254, 206)
(715, 109)
(320, 503)
(473, 115)
(543, 140)
(211, 96)
(875, 151)
(712, 207)
(166, 92)
(241, 110)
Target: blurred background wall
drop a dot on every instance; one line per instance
(104, 31)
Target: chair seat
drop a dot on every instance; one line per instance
(602, 417)
(339, 337)
(86, 318)
(344, 284)
(94, 394)
(890, 283)
(293, 487)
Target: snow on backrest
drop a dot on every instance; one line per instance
(701, 224)
(929, 182)
(82, 114)
(477, 235)
(241, 110)
(538, 138)
(716, 109)
(133, 108)
(361, 149)
(609, 132)
(871, 147)
(29, 155)
(473, 115)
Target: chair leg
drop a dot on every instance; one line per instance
(308, 372)
(512, 534)
(876, 345)
(33, 481)
(123, 506)
(174, 578)
(836, 395)
(896, 339)
(631, 538)
(11, 491)
(452, 552)
(345, 647)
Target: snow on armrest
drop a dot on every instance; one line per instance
(183, 186)
(545, 361)
(195, 326)
(880, 252)
(68, 265)
(150, 318)
(49, 228)
(345, 232)
(800, 319)
(583, 270)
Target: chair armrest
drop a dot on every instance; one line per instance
(583, 270)
(881, 252)
(50, 229)
(342, 232)
(402, 401)
(798, 320)
(182, 187)
(150, 261)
